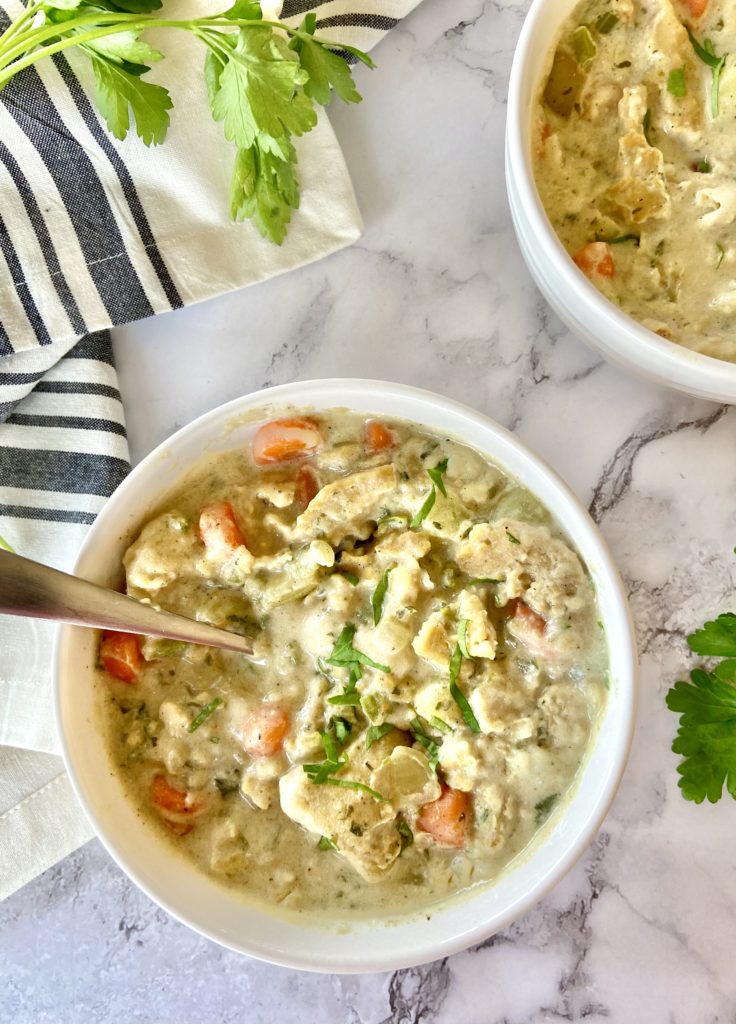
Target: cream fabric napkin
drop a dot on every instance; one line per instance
(176, 246)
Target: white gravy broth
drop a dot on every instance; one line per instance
(428, 668)
(634, 153)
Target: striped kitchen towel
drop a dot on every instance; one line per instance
(95, 233)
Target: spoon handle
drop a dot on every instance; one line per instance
(38, 591)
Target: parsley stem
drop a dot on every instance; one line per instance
(110, 24)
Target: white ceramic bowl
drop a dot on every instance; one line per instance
(217, 912)
(575, 300)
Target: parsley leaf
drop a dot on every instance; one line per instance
(120, 93)
(324, 773)
(325, 70)
(717, 639)
(431, 746)
(706, 737)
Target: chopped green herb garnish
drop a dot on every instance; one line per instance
(480, 581)
(207, 712)
(514, 540)
(344, 654)
(379, 595)
(618, 239)
(707, 54)
(704, 167)
(424, 510)
(543, 808)
(462, 639)
(440, 723)
(438, 484)
(348, 698)
(676, 84)
(352, 579)
(435, 475)
(391, 522)
(583, 45)
(360, 786)
(431, 745)
(457, 694)
(721, 255)
(606, 23)
(325, 843)
(377, 732)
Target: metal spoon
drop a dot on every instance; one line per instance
(31, 589)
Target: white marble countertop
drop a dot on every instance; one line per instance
(436, 294)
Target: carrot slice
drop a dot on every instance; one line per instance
(596, 258)
(696, 7)
(527, 617)
(306, 486)
(120, 654)
(283, 440)
(219, 529)
(168, 798)
(447, 819)
(265, 730)
(378, 437)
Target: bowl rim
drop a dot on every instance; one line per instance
(298, 394)
(619, 336)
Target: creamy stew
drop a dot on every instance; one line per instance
(634, 149)
(428, 668)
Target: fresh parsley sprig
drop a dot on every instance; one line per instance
(263, 79)
(706, 737)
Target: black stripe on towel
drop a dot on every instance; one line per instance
(95, 346)
(65, 472)
(76, 387)
(25, 419)
(127, 184)
(51, 515)
(377, 21)
(83, 196)
(293, 8)
(44, 240)
(23, 291)
(15, 379)
(6, 348)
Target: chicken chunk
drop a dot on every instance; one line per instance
(346, 506)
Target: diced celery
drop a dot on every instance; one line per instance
(583, 45)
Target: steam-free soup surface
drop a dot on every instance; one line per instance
(635, 137)
(428, 668)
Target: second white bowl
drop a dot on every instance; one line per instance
(576, 301)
